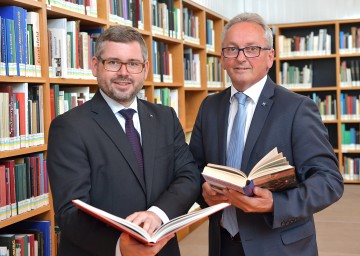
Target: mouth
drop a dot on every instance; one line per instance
(122, 82)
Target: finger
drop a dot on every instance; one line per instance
(132, 216)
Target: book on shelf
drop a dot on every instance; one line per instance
(8, 241)
(272, 172)
(140, 234)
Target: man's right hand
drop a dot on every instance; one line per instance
(211, 196)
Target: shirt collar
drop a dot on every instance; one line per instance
(253, 92)
(115, 106)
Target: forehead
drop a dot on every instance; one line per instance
(244, 34)
(129, 50)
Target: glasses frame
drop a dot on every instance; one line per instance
(243, 50)
(121, 64)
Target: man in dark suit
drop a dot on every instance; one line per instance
(269, 223)
(91, 158)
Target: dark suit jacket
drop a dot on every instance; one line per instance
(90, 158)
(291, 123)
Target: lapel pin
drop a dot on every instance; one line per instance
(263, 104)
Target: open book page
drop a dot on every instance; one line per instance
(227, 169)
(140, 234)
(269, 157)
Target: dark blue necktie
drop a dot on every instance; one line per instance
(234, 157)
(133, 135)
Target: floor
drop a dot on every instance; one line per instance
(338, 229)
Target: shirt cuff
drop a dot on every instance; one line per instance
(117, 251)
(162, 215)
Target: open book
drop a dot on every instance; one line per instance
(140, 234)
(272, 172)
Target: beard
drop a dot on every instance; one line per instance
(121, 96)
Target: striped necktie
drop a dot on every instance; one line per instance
(234, 157)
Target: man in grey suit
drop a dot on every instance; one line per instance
(91, 158)
(269, 223)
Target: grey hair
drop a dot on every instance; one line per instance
(250, 17)
(120, 34)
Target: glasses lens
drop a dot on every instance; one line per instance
(134, 67)
(230, 52)
(252, 51)
(112, 65)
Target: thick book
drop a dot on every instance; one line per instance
(140, 234)
(272, 172)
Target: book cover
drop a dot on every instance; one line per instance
(8, 240)
(16, 15)
(32, 18)
(272, 172)
(10, 167)
(140, 234)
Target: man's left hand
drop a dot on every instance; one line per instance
(148, 220)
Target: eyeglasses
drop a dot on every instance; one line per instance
(249, 51)
(115, 65)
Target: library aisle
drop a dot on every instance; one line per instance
(338, 229)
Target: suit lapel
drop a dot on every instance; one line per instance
(223, 115)
(148, 134)
(106, 119)
(261, 112)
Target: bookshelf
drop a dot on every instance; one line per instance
(166, 32)
(327, 55)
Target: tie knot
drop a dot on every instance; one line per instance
(127, 113)
(241, 98)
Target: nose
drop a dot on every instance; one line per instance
(123, 70)
(241, 56)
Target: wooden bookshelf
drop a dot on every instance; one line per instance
(327, 81)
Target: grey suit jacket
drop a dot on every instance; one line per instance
(291, 123)
(89, 157)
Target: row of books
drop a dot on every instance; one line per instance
(191, 29)
(191, 68)
(165, 19)
(23, 185)
(70, 49)
(351, 168)
(349, 41)
(349, 106)
(296, 77)
(326, 105)
(350, 73)
(127, 12)
(350, 138)
(22, 116)
(65, 98)
(168, 97)
(213, 72)
(210, 35)
(19, 42)
(309, 45)
(27, 238)
(87, 7)
(162, 62)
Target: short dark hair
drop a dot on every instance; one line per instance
(121, 34)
